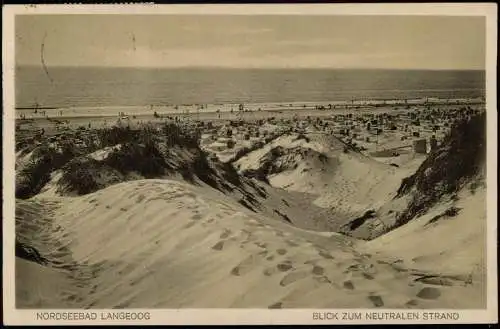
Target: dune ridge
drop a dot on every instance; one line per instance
(185, 247)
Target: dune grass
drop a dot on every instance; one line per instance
(139, 152)
(448, 168)
(147, 152)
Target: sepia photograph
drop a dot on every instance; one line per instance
(239, 160)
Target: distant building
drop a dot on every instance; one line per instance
(433, 143)
(420, 146)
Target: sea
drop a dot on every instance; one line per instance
(74, 87)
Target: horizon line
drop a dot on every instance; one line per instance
(246, 68)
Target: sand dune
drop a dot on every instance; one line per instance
(212, 177)
(463, 255)
(159, 243)
(318, 165)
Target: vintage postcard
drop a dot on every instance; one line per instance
(249, 164)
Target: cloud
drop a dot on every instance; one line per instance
(147, 57)
(320, 45)
(253, 41)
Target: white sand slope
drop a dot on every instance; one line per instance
(160, 244)
(452, 245)
(335, 177)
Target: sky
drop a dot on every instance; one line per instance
(251, 41)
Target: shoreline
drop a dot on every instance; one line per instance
(194, 110)
(367, 101)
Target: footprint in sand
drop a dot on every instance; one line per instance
(376, 300)
(218, 246)
(318, 270)
(352, 268)
(93, 289)
(283, 267)
(140, 198)
(281, 251)
(225, 234)
(292, 277)
(196, 217)
(245, 266)
(325, 254)
(429, 293)
(270, 257)
(348, 285)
